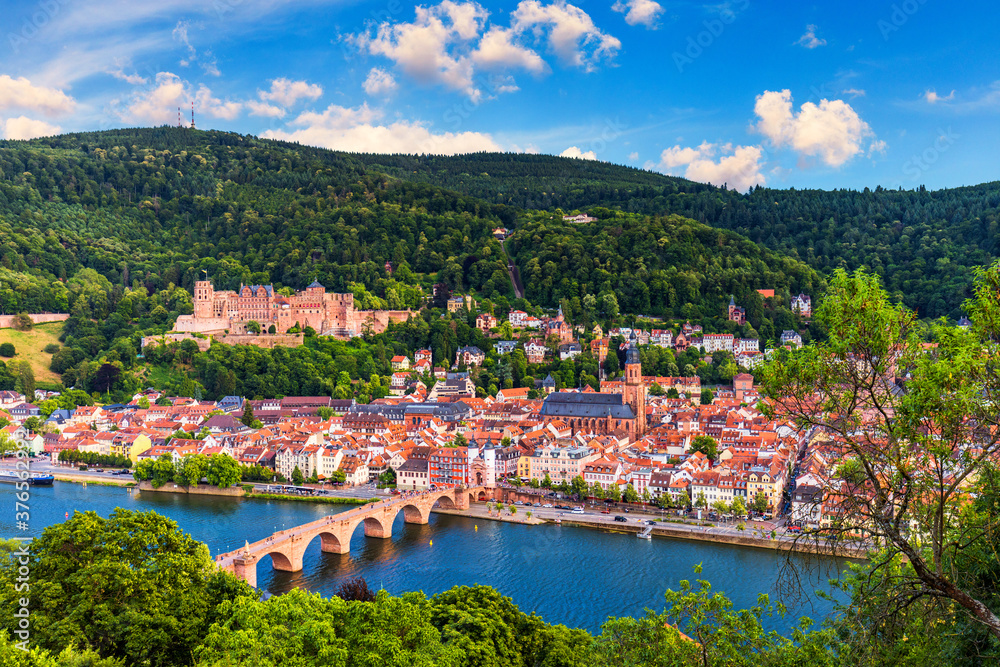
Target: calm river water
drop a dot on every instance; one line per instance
(568, 575)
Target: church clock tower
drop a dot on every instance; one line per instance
(635, 390)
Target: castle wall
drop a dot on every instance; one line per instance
(380, 319)
(267, 341)
(7, 321)
(173, 337)
(191, 323)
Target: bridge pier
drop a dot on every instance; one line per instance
(377, 527)
(332, 544)
(414, 514)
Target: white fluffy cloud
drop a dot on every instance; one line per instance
(356, 130)
(20, 93)
(286, 92)
(258, 108)
(831, 130)
(158, 105)
(933, 98)
(23, 127)
(738, 167)
(572, 34)
(809, 39)
(574, 151)
(639, 12)
(379, 82)
(498, 50)
(445, 44)
(422, 48)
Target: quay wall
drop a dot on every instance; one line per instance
(201, 489)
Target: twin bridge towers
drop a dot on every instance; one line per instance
(287, 547)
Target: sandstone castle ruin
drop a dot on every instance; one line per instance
(330, 314)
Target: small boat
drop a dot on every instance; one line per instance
(646, 534)
(33, 478)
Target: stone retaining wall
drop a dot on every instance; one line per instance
(7, 321)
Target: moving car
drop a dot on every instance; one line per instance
(577, 510)
(620, 518)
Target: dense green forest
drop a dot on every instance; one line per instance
(925, 244)
(114, 227)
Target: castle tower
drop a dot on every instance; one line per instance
(635, 390)
(204, 295)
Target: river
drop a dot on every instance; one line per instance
(566, 574)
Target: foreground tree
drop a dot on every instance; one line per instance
(909, 431)
(698, 627)
(132, 586)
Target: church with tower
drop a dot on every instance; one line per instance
(593, 413)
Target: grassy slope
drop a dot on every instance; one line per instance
(29, 346)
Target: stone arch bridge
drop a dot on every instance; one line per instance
(287, 547)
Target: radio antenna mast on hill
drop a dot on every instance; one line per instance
(192, 115)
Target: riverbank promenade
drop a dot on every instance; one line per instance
(287, 547)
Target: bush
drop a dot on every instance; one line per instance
(7, 350)
(355, 590)
(51, 348)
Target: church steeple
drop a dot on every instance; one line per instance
(635, 390)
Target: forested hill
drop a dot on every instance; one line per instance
(156, 207)
(924, 243)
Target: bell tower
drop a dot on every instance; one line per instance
(635, 390)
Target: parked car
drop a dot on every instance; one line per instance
(621, 518)
(518, 502)
(538, 505)
(547, 505)
(794, 529)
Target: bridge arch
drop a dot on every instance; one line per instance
(415, 514)
(445, 502)
(280, 561)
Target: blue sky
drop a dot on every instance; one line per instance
(848, 94)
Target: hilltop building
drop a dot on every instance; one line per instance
(736, 313)
(217, 311)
